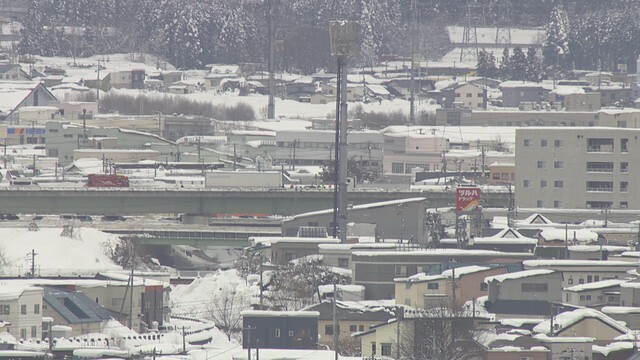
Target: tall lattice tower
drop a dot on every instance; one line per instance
(503, 13)
(469, 46)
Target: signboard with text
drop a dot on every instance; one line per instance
(468, 199)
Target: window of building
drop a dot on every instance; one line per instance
(624, 167)
(542, 164)
(527, 142)
(558, 184)
(68, 135)
(116, 301)
(557, 204)
(558, 143)
(589, 278)
(373, 348)
(36, 309)
(328, 329)
(469, 95)
(540, 203)
(558, 164)
(343, 262)
(353, 328)
(543, 142)
(543, 183)
(526, 183)
(290, 333)
(289, 256)
(5, 310)
(34, 331)
(397, 168)
(23, 333)
(624, 186)
(401, 271)
(432, 286)
(385, 349)
(624, 145)
(534, 287)
(585, 297)
(360, 327)
(457, 94)
(624, 205)
(277, 333)
(570, 281)
(23, 309)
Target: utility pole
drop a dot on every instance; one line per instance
(412, 98)
(234, 157)
(34, 165)
(99, 83)
(84, 128)
(184, 341)
(335, 321)
(33, 263)
(261, 297)
(337, 150)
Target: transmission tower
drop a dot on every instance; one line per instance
(503, 22)
(469, 47)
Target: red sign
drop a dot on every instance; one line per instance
(467, 199)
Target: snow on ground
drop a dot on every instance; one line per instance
(195, 299)
(55, 254)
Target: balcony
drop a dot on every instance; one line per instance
(599, 189)
(596, 169)
(600, 149)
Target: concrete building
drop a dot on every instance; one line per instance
(577, 272)
(399, 219)
(502, 173)
(582, 101)
(577, 168)
(516, 92)
(512, 117)
(316, 147)
(63, 138)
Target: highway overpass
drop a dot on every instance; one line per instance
(195, 201)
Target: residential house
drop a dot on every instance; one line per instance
(583, 323)
(379, 340)
(128, 79)
(630, 293)
(280, 329)
(464, 96)
(301, 89)
(582, 101)
(21, 307)
(614, 95)
(595, 174)
(17, 94)
(75, 310)
(568, 346)
(425, 291)
(595, 294)
(514, 93)
(214, 79)
(353, 318)
(13, 72)
(619, 117)
(285, 249)
(339, 255)
(376, 270)
(355, 91)
(374, 92)
(183, 87)
(528, 293)
(576, 272)
(630, 315)
(400, 87)
(595, 252)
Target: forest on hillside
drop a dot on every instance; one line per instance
(192, 33)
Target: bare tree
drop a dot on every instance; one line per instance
(226, 307)
(442, 332)
(295, 285)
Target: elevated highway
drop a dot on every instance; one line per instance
(195, 201)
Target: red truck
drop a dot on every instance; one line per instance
(106, 180)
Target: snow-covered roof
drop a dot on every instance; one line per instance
(378, 89)
(567, 319)
(596, 248)
(620, 310)
(438, 253)
(559, 234)
(519, 322)
(269, 240)
(517, 275)
(13, 291)
(363, 207)
(535, 219)
(328, 289)
(266, 313)
(464, 270)
(578, 263)
(595, 285)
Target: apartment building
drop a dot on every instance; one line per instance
(578, 168)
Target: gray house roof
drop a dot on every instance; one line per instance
(354, 311)
(75, 307)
